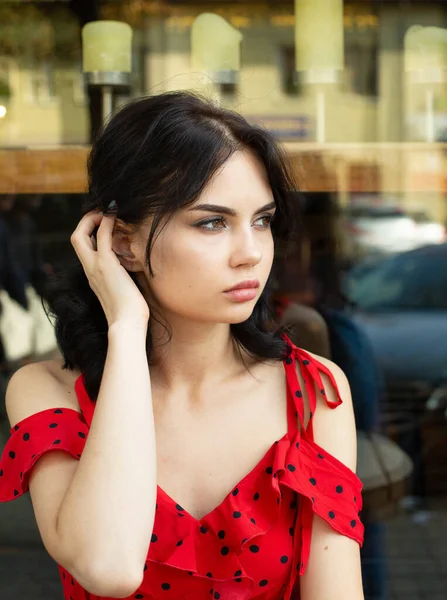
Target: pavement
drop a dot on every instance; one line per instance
(416, 552)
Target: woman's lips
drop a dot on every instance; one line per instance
(244, 291)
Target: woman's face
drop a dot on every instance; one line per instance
(220, 241)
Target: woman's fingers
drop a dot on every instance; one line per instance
(81, 238)
(105, 233)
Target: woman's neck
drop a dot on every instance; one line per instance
(193, 356)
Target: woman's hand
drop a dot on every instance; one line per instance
(119, 296)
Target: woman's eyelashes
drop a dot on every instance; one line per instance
(218, 223)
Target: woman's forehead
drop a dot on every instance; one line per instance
(240, 181)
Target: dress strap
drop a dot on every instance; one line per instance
(311, 370)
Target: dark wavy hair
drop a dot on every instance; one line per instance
(154, 157)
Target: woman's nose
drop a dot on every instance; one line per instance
(247, 250)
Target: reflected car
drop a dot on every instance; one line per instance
(401, 304)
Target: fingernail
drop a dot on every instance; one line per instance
(112, 205)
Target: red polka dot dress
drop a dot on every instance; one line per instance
(256, 543)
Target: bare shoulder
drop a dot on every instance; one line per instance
(40, 386)
(334, 429)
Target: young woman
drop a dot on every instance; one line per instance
(199, 456)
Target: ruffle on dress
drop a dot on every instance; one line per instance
(62, 429)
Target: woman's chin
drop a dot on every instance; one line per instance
(239, 315)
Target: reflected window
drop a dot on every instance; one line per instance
(42, 85)
(289, 78)
(361, 68)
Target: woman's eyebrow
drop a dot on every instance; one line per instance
(225, 210)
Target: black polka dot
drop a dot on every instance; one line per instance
(221, 534)
(26, 437)
(311, 415)
(178, 507)
(256, 496)
(72, 581)
(284, 559)
(224, 550)
(209, 574)
(145, 567)
(254, 548)
(181, 515)
(320, 455)
(244, 540)
(353, 523)
(63, 575)
(190, 573)
(179, 543)
(238, 573)
(299, 394)
(297, 444)
(269, 470)
(323, 392)
(331, 514)
(216, 595)
(263, 582)
(235, 492)
(291, 531)
(56, 442)
(81, 434)
(313, 499)
(289, 361)
(237, 514)
(154, 538)
(253, 521)
(139, 596)
(58, 411)
(1, 472)
(203, 529)
(16, 427)
(313, 481)
(52, 425)
(12, 454)
(291, 468)
(355, 499)
(16, 493)
(165, 586)
(305, 362)
(339, 489)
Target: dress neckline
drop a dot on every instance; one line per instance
(88, 406)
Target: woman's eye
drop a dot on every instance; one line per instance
(265, 220)
(212, 224)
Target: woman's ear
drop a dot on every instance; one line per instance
(123, 243)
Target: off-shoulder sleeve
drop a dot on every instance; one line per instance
(328, 487)
(60, 429)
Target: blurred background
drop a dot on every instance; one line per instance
(356, 92)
